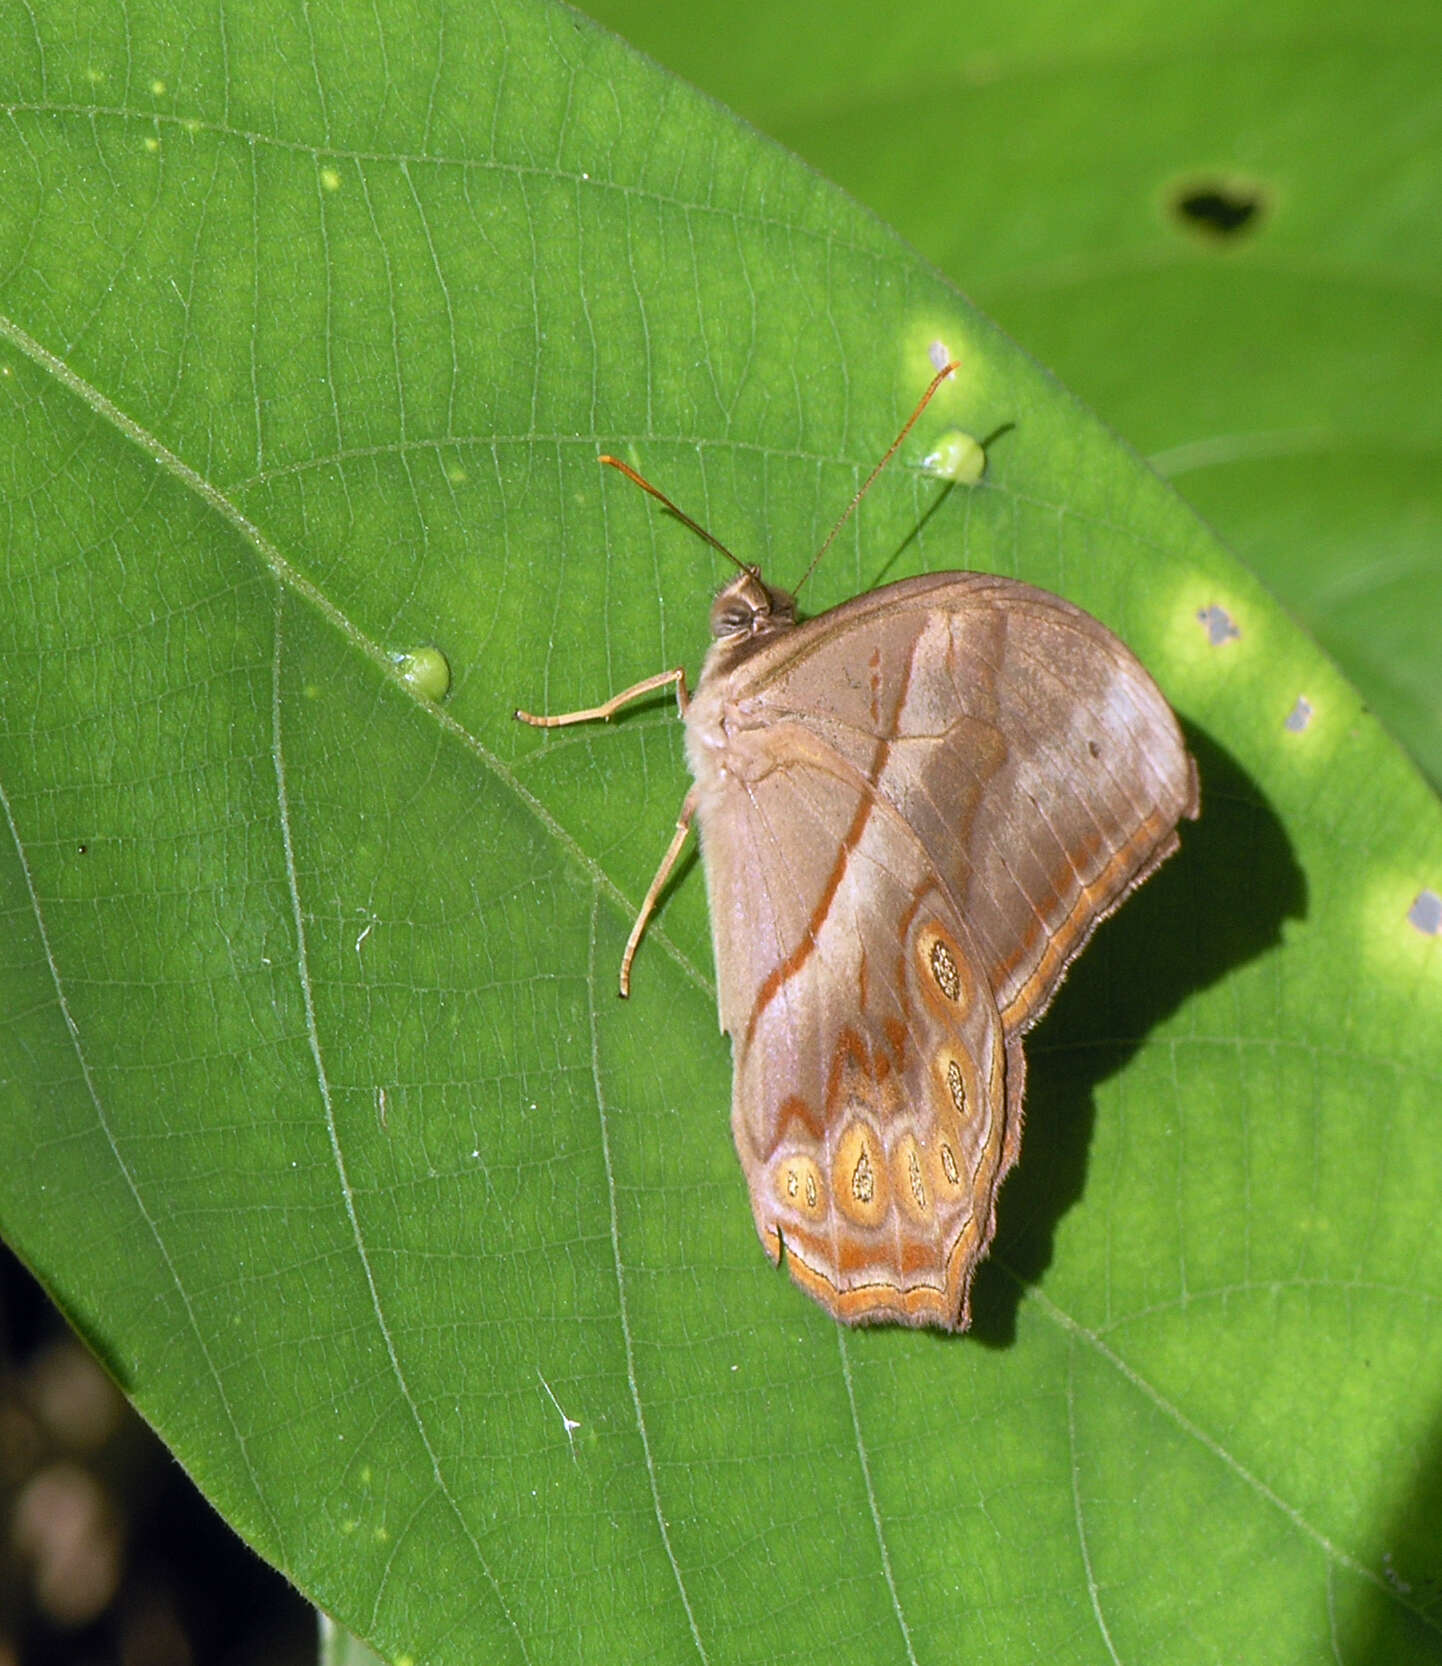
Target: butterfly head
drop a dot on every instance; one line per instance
(749, 608)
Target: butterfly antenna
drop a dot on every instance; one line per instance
(891, 450)
(660, 496)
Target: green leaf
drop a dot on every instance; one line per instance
(1282, 364)
(428, 1257)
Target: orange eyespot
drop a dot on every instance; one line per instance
(859, 1181)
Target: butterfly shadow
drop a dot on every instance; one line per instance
(1218, 904)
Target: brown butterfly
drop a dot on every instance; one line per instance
(914, 810)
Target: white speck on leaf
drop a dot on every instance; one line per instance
(569, 1424)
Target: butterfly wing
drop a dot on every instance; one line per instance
(1036, 760)
(869, 1106)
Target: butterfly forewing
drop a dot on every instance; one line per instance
(1025, 745)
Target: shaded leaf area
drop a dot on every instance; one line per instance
(1221, 224)
(430, 1258)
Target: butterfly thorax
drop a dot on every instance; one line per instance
(746, 617)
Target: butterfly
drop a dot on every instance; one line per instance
(914, 809)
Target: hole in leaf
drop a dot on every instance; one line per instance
(1217, 208)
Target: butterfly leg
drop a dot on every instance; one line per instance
(609, 708)
(663, 873)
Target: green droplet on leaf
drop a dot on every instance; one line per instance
(425, 671)
(956, 456)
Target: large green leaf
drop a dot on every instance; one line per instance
(1284, 369)
(429, 1257)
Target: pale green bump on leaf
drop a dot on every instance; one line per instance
(425, 671)
(957, 457)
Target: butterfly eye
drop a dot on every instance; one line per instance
(957, 1086)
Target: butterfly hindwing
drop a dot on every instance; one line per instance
(870, 1095)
